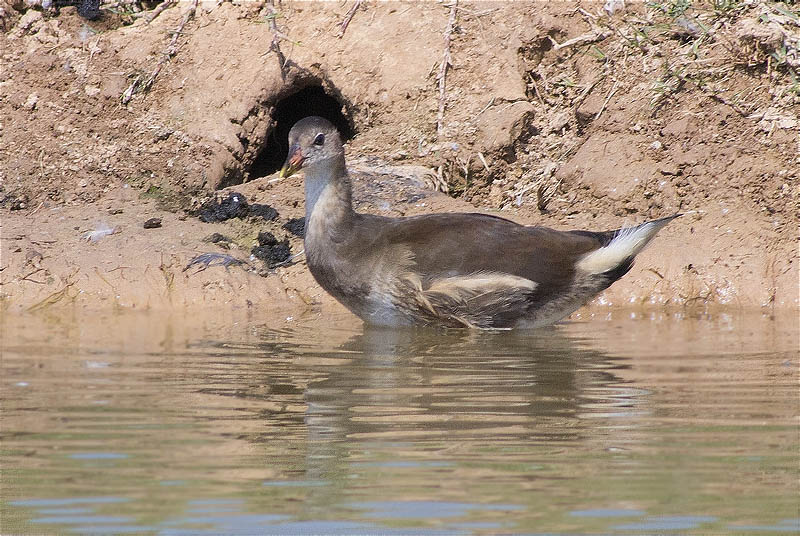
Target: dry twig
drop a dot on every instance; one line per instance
(532, 78)
(483, 161)
(489, 105)
(151, 16)
(577, 102)
(56, 296)
(451, 23)
(608, 98)
(277, 36)
(140, 84)
(592, 37)
(348, 17)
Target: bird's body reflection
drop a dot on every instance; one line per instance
(425, 402)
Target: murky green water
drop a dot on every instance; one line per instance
(208, 424)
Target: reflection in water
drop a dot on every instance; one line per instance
(216, 425)
(447, 393)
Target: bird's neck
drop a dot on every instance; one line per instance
(328, 196)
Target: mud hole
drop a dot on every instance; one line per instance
(558, 114)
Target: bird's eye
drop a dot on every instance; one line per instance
(320, 139)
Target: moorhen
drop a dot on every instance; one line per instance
(455, 270)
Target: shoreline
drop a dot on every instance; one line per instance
(46, 261)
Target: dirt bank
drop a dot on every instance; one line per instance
(558, 114)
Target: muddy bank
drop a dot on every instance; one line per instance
(101, 256)
(570, 118)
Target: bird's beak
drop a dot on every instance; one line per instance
(293, 162)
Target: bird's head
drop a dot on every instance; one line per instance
(312, 141)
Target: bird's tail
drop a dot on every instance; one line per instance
(622, 248)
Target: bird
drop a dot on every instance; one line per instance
(453, 270)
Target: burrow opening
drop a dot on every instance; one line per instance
(311, 100)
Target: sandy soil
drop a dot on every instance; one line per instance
(561, 115)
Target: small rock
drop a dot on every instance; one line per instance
(91, 91)
(113, 211)
(28, 20)
(30, 102)
(83, 183)
(219, 239)
(163, 133)
(152, 223)
(671, 169)
(559, 122)
(14, 202)
(589, 108)
(612, 6)
(656, 145)
(685, 26)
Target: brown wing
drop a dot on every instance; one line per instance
(451, 245)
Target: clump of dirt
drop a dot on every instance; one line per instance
(14, 202)
(264, 212)
(235, 205)
(296, 226)
(215, 209)
(582, 115)
(270, 250)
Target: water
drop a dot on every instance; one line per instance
(226, 423)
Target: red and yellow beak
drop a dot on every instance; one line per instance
(293, 162)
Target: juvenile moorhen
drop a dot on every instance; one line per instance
(455, 270)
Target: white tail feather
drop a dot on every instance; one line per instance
(628, 242)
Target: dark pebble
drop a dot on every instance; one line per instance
(89, 9)
(152, 223)
(219, 239)
(216, 237)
